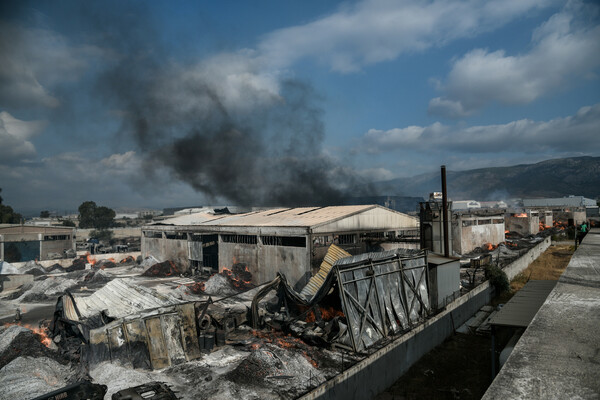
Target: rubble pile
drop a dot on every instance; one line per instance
(163, 269)
(28, 377)
(18, 341)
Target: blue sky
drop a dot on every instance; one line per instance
(112, 101)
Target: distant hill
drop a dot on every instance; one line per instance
(552, 178)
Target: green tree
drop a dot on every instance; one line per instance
(104, 218)
(7, 214)
(92, 216)
(68, 222)
(87, 214)
(45, 214)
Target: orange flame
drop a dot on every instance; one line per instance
(506, 231)
(327, 314)
(40, 333)
(89, 259)
(489, 246)
(521, 215)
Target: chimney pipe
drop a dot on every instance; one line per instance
(445, 212)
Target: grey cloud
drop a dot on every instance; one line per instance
(565, 49)
(33, 61)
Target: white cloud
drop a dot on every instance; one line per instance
(564, 50)
(15, 137)
(373, 31)
(576, 133)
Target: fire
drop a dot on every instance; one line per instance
(89, 259)
(195, 288)
(327, 314)
(41, 333)
(559, 225)
(489, 246)
(236, 275)
(544, 226)
(506, 231)
(521, 215)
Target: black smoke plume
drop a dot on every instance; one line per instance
(225, 126)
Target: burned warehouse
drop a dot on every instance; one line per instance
(292, 241)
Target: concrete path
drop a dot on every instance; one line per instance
(558, 356)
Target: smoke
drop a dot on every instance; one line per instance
(226, 125)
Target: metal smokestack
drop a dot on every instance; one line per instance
(445, 212)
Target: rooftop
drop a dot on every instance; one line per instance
(281, 217)
(557, 356)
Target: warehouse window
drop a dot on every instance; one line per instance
(56, 237)
(241, 239)
(346, 239)
(153, 234)
(176, 235)
(291, 241)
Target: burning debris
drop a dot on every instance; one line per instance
(346, 311)
(163, 269)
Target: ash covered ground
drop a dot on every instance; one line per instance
(251, 364)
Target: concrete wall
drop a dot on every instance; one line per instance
(264, 261)
(522, 262)
(118, 233)
(56, 246)
(379, 371)
(9, 282)
(165, 249)
(467, 238)
(529, 225)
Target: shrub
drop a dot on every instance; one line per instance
(497, 278)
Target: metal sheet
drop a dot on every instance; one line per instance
(189, 331)
(377, 290)
(172, 333)
(156, 344)
(138, 347)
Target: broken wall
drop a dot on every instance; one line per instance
(470, 232)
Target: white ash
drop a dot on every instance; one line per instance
(219, 285)
(6, 268)
(27, 377)
(148, 262)
(117, 378)
(52, 286)
(8, 334)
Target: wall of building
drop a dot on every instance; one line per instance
(265, 261)
(374, 219)
(118, 233)
(56, 247)
(529, 225)
(166, 249)
(467, 238)
(35, 245)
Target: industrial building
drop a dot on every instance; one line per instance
(293, 241)
(573, 210)
(26, 243)
(467, 229)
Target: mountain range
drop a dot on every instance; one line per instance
(578, 176)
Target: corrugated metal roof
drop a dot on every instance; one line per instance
(119, 298)
(281, 217)
(334, 253)
(575, 201)
(521, 309)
